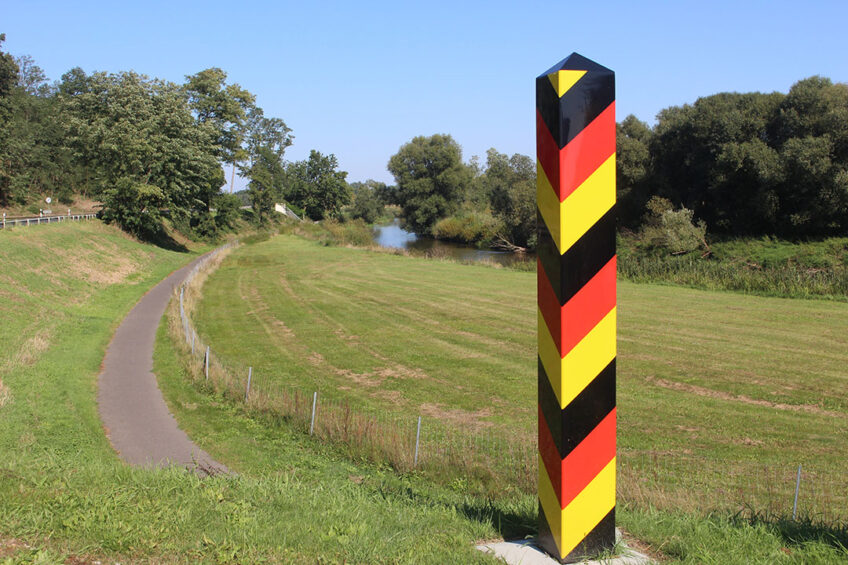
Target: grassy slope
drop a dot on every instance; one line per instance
(63, 491)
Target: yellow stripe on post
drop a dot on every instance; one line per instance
(588, 508)
(564, 80)
(550, 504)
(586, 205)
(549, 205)
(550, 357)
(588, 359)
(570, 375)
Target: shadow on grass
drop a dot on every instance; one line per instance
(511, 523)
(164, 240)
(801, 530)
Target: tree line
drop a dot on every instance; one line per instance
(149, 148)
(747, 164)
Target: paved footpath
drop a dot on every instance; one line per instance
(133, 411)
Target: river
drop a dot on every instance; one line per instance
(392, 235)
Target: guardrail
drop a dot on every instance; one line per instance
(14, 222)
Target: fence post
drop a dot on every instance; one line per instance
(797, 486)
(206, 364)
(314, 403)
(417, 439)
(193, 336)
(4, 220)
(247, 390)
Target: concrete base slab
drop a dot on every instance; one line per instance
(525, 552)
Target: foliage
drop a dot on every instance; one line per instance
(632, 165)
(225, 107)
(510, 186)
(266, 183)
(141, 132)
(316, 186)
(671, 230)
(355, 233)
(98, 134)
(479, 228)
(134, 206)
(748, 163)
(431, 180)
(367, 204)
(226, 210)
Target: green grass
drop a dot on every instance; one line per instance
(65, 497)
(64, 494)
(718, 392)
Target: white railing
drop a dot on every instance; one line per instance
(36, 220)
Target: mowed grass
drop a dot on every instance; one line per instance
(718, 393)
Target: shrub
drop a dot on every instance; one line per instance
(467, 227)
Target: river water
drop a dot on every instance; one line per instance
(392, 235)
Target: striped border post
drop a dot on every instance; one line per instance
(575, 191)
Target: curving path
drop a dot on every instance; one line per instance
(134, 414)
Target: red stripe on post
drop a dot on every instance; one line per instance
(587, 307)
(586, 152)
(549, 306)
(550, 455)
(588, 459)
(547, 151)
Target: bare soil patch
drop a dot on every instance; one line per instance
(467, 420)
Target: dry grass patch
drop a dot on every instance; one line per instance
(5, 394)
(721, 395)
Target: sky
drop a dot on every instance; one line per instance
(360, 79)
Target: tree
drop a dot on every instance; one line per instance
(8, 71)
(271, 133)
(31, 77)
(134, 206)
(266, 183)
(632, 168)
(366, 200)
(316, 186)
(131, 131)
(8, 79)
(431, 179)
(510, 184)
(225, 107)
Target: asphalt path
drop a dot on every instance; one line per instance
(134, 414)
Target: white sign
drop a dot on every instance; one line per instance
(48, 200)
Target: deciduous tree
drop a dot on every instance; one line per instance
(431, 179)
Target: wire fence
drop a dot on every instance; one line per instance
(12, 222)
(502, 465)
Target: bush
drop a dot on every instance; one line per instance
(134, 206)
(478, 228)
(670, 230)
(354, 232)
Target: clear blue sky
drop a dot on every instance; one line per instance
(359, 79)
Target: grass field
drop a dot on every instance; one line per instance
(65, 497)
(719, 393)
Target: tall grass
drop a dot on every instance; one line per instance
(789, 281)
